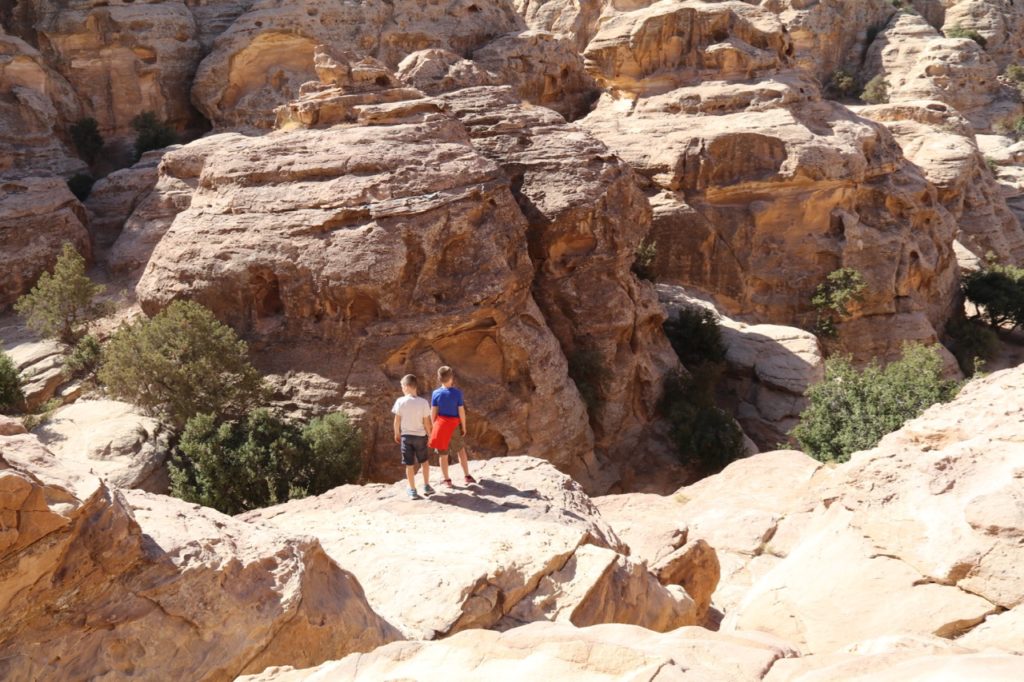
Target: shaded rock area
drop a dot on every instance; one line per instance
(126, 584)
(469, 546)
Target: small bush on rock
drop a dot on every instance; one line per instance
(876, 91)
(643, 261)
(961, 32)
(262, 459)
(833, 297)
(972, 344)
(696, 336)
(84, 359)
(11, 396)
(181, 363)
(842, 84)
(702, 433)
(80, 185)
(998, 293)
(151, 133)
(852, 409)
(62, 303)
(85, 134)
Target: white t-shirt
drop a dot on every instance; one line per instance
(413, 410)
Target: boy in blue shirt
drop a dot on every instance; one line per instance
(447, 402)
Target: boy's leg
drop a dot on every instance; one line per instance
(464, 461)
(426, 471)
(410, 475)
(442, 458)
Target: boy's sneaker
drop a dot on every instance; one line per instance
(413, 495)
(427, 490)
(448, 483)
(470, 479)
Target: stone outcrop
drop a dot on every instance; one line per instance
(558, 651)
(999, 22)
(768, 370)
(577, 20)
(99, 582)
(114, 197)
(525, 544)
(109, 439)
(943, 145)
(37, 215)
(438, 71)
(683, 42)
(919, 64)
(761, 189)
(260, 62)
(35, 103)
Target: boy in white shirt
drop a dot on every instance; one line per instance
(412, 425)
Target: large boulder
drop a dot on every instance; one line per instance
(111, 440)
(103, 583)
(577, 20)
(37, 216)
(525, 544)
(114, 197)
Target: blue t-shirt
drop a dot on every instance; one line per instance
(447, 401)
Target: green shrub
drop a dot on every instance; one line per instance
(998, 293)
(180, 363)
(832, 298)
(842, 84)
(992, 165)
(588, 373)
(84, 359)
(11, 396)
(703, 434)
(261, 460)
(696, 336)
(961, 32)
(61, 304)
(1015, 74)
(972, 344)
(85, 134)
(80, 185)
(852, 409)
(876, 91)
(643, 260)
(41, 414)
(151, 133)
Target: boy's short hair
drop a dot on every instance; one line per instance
(445, 373)
(410, 380)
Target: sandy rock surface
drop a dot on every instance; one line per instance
(99, 582)
(111, 440)
(524, 544)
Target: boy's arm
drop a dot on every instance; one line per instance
(462, 418)
(427, 426)
(433, 413)
(398, 428)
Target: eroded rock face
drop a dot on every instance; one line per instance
(599, 654)
(919, 64)
(673, 43)
(525, 544)
(260, 62)
(35, 103)
(942, 144)
(37, 215)
(438, 71)
(761, 189)
(1000, 23)
(146, 583)
(114, 197)
(585, 216)
(577, 20)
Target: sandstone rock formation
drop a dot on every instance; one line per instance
(919, 64)
(525, 544)
(37, 215)
(999, 22)
(601, 653)
(260, 62)
(114, 197)
(110, 440)
(768, 370)
(438, 71)
(99, 582)
(35, 102)
(577, 20)
(942, 144)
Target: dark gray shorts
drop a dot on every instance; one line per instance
(414, 450)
